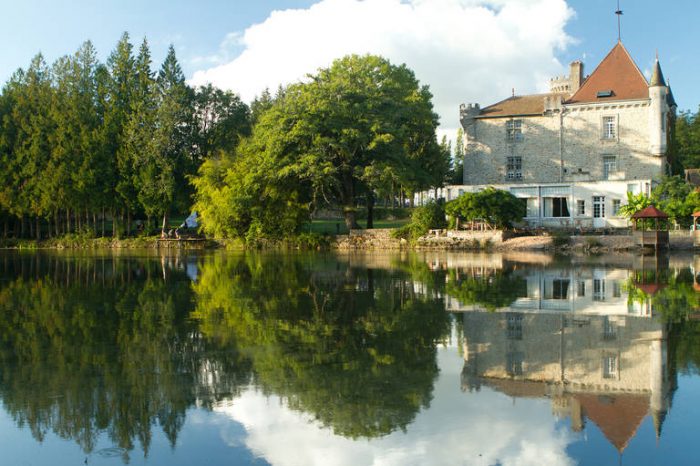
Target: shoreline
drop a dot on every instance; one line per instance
(373, 240)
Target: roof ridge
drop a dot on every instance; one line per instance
(633, 62)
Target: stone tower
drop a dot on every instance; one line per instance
(658, 112)
(467, 114)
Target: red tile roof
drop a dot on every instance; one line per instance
(618, 416)
(518, 105)
(617, 73)
(650, 212)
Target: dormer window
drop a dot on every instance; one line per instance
(605, 93)
(514, 130)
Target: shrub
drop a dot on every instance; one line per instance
(424, 218)
(592, 242)
(496, 207)
(560, 238)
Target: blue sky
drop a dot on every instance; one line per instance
(217, 38)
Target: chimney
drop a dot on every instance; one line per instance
(576, 75)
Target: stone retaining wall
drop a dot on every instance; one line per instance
(380, 239)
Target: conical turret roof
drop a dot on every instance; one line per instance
(657, 76)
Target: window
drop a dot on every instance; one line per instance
(609, 367)
(663, 121)
(532, 208)
(514, 168)
(558, 289)
(514, 130)
(633, 188)
(617, 290)
(514, 326)
(581, 289)
(616, 204)
(598, 289)
(514, 363)
(556, 207)
(609, 329)
(609, 127)
(609, 165)
(581, 207)
(598, 206)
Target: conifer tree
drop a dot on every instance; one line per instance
(137, 145)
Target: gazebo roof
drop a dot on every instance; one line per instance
(650, 212)
(696, 214)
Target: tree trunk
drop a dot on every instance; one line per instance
(128, 222)
(348, 201)
(165, 224)
(104, 221)
(31, 228)
(68, 221)
(114, 224)
(38, 228)
(22, 227)
(370, 210)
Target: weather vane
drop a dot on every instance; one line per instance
(619, 16)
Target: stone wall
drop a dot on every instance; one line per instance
(486, 156)
(584, 147)
(580, 144)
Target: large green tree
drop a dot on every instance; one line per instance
(334, 139)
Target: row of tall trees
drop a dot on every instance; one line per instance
(86, 145)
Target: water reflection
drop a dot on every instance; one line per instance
(347, 347)
(92, 345)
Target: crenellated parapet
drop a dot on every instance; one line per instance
(467, 115)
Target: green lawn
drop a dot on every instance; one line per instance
(333, 227)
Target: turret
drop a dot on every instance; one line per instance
(658, 112)
(659, 399)
(467, 117)
(568, 84)
(467, 113)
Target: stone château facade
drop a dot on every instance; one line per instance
(572, 154)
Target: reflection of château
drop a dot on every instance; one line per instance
(572, 336)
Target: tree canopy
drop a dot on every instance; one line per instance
(349, 130)
(494, 206)
(81, 139)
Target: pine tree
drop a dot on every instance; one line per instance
(136, 147)
(458, 160)
(117, 95)
(162, 172)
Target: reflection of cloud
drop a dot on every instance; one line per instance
(459, 428)
(466, 50)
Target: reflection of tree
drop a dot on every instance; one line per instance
(353, 348)
(494, 289)
(674, 296)
(99, 345)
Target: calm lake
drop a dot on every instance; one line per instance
(113, 358)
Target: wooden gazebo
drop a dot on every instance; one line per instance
(696, 233)
(651, 228)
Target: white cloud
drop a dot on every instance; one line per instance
(459, 428)
(465, 50)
